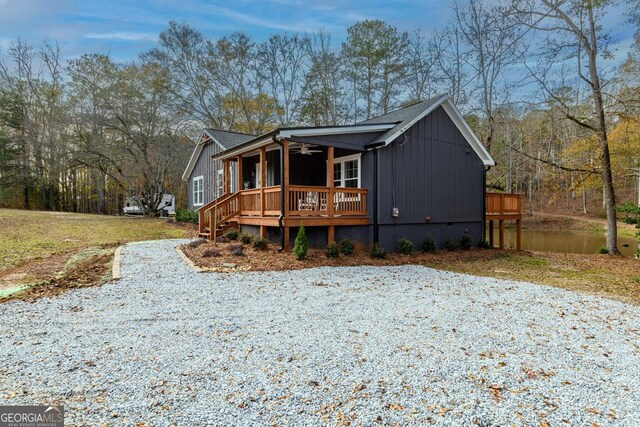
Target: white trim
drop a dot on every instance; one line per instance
(413, 121)
(213, 139)
(193, 189)
(342, 160)
(233, 152)
(458, 119)
(196, 153)
(192, 161)
(468, 134)
(288, 133)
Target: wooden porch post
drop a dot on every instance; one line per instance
(518, 234)
(200, 221)
(285, 169)
(330, 198)
(263, 180)
(491, 233)
(239, 184)
(501, 242)
(226, 177)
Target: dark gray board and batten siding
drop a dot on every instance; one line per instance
(204, 166)
(429, 171)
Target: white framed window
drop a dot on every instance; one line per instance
(219, 183)
(233, 176)
(346, 171)
(198, 190)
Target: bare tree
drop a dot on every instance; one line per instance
(449, 56)
(283, 64)
(491, 36)
(574, 33)
(419, 65)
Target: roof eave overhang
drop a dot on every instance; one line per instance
(282, 134)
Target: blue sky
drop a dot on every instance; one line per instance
(124, 28)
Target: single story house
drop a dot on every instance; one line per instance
(417, 171)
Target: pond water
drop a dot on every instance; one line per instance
(577, 242)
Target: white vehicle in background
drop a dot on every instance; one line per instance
(167, 206)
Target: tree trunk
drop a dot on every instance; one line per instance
(601, 130)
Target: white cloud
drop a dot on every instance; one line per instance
(122, 35)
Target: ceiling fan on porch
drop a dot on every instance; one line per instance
(302, 148)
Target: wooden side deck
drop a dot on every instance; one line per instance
(503, 207)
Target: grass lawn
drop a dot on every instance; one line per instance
(614, 277)
(35, 245)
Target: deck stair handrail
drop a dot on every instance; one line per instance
(227, 207)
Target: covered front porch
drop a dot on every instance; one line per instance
(305, 184)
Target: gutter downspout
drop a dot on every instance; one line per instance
(484, 202)
(375, 197)
(282, 195)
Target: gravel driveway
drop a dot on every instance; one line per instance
(328, 346)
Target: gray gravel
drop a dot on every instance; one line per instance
(326, 346)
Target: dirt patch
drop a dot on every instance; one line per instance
(90, 271)
(614, 277)
(35, 270)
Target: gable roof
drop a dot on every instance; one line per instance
(225, 140)
(406, 117)
(405, 113)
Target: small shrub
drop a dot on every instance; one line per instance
(603, 250)
(301, 245)
(231, 234)
(483, 244)
(237, 250)
(185, 215)
(405, 246)
(429, 244)
(377, 251)
(208, 253)
(332, 250)
(196, 243)
(223, 239)
(246, 238)
(450, 245)
(260, 244)
(465, 242)
(347, 247)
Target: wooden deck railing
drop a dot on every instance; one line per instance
(503, 204)
(301, 201)
(325, 201)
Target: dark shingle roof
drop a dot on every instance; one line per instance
(229, 139)
(403, 116)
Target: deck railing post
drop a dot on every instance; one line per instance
(240, 184)
(263, 177)
(330, 195)
(212, 230)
